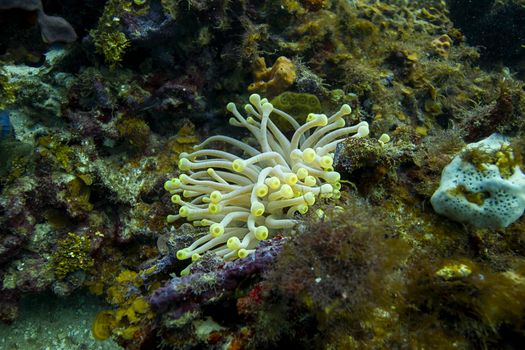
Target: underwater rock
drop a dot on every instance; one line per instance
(201, 286)
(38, 96)
(10, 149)
(10, 245)
(53, 28)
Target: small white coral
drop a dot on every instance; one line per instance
(490, 194)
(245, 200)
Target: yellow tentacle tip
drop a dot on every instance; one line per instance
(261, 233)
(184, 164)
(233, 243)
(183, 254)
(238, 165)
(257, 209)
(216, 230)
(243, 253)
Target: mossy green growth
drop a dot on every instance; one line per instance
(15, 156)
(112, 45)
(108, 38)
(72, 254)
(78, 194)
(7, 91)
(135, 131)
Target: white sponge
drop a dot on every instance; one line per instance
(479, 194)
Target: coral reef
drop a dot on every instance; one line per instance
(91, 132)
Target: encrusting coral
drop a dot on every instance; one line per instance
(441, 45)
(273, 80)
(244, 201)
